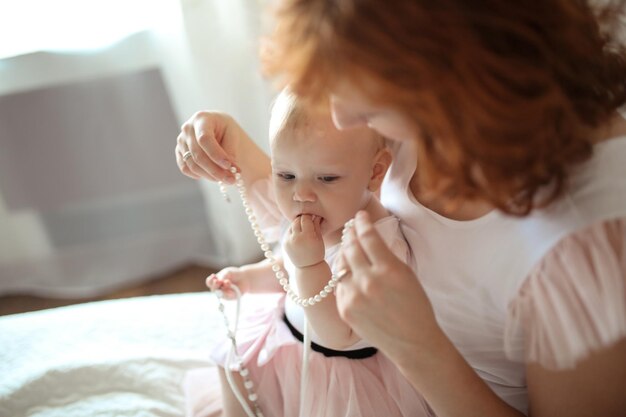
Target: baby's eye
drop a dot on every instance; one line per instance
(285, 176)
(329, 178)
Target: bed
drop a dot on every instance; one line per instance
(124, 357)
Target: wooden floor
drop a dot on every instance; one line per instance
(187, 279)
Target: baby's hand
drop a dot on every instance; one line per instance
(304, 243)
(224, 280)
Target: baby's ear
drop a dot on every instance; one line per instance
(382, 160)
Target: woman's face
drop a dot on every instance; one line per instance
(351, 108)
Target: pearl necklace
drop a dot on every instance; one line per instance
(243, 371)
(269, 255)
(255, 411)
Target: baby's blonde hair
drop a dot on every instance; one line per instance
(289, 113)
(286, 114)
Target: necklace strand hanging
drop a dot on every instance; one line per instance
(255, 410)
(233, 355)
(269, 255)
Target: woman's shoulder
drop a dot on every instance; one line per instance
(597, 188)
(574, 300)
(607, 165)
(614, 128)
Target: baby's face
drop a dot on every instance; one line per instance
(322, 171)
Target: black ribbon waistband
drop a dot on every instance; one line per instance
(350, 354)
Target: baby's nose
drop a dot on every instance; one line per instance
(304, 194)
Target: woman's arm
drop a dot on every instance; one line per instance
(216, 141)
(448, 383)
(595, 387)
(579, 288)
(384, 303)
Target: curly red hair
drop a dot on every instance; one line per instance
(504, 94)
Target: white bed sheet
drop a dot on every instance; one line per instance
(111, 358)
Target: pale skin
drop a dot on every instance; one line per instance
(322, 177)
(418, 346)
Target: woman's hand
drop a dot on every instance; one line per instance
(210, 143)
(381, 299)
(304, 243)
(213, 139)
(384, 303)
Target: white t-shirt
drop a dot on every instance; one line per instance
(472, 271)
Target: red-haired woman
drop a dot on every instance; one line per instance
(509, 177)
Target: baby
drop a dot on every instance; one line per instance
(321, 178)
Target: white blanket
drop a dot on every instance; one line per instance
(111, 358)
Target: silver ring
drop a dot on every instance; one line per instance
(341, 274)
(187, 155)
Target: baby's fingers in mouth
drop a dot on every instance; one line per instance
(317, 219)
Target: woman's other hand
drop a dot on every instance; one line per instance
(381, 299)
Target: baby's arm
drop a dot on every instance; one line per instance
(305, 247)
(251, 279)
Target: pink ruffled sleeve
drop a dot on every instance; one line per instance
(263, 203)
(574, 301)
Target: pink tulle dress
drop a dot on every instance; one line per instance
(361, 383)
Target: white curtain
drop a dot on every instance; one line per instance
(224, 45)
(90, 197)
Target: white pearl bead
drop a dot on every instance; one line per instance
(280, 275)
(253, 397)
(248, 384)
